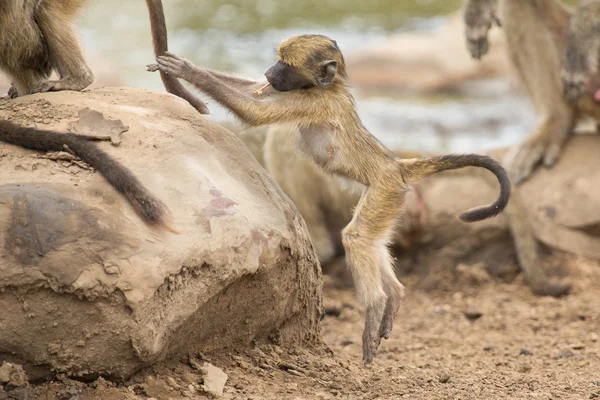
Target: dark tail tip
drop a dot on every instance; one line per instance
(150, 209)
(489, 211)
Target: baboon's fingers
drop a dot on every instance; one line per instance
(528, 156)
(389, 315)
(152, 67)
(371, 337)
(552, 154)
(478, 48)
(12, 93)
(551, 287)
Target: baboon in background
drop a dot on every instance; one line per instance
(37, 37)
(308, 88)
(536, 35)
(580, 73)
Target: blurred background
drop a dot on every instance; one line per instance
(415, 84)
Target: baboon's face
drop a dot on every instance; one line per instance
(305, 61)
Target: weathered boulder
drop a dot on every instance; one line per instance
(425, 61)
(87, 288)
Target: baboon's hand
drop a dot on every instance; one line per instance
(174, 65)
(478, 17)
(523, 160)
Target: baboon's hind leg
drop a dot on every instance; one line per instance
(65, 52)
(365, 240)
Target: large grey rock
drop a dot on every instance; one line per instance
(86, 287)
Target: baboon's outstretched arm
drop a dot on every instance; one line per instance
(237, 95)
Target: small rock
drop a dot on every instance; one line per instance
(594, 337)
(171, 382)
(525, 352)
(333, 311)
(69, 394)
(577, 346)
(439, 310)
(214, 380)
(13, 375)
(472, 314)
(444, 378)
(489, 346)
(525, 368)
(566, 353)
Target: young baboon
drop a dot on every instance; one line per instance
(38, 36)
(149, 208)
(308, 88)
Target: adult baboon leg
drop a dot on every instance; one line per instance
(527, 249)
(65, 52)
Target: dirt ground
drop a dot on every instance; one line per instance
(478, 338)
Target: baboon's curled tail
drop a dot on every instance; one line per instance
(158, 26)
(420, 168)
(149, 208)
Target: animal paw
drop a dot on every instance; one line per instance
(174, 65)
(371, 335)
(46, 86)
(525, 159)
(550, 287)
(75, 83)
(12, 93)
(479, 17)
(389, 314)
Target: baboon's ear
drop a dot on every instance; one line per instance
(327, 72)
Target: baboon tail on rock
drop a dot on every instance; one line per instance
(153, 211)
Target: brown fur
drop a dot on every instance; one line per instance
(329, 132)
(581, 69)
(536, 34)
(38, 36)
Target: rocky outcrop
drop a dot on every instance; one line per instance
(87, 288)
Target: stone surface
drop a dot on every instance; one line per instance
(87, 288)
(214, 380)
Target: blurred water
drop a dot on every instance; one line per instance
(241, 36)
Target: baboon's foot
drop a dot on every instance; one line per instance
(529, 155)
(70, 83)
(392, 304)
(12, 93)
(549, 287)
(371, 335)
